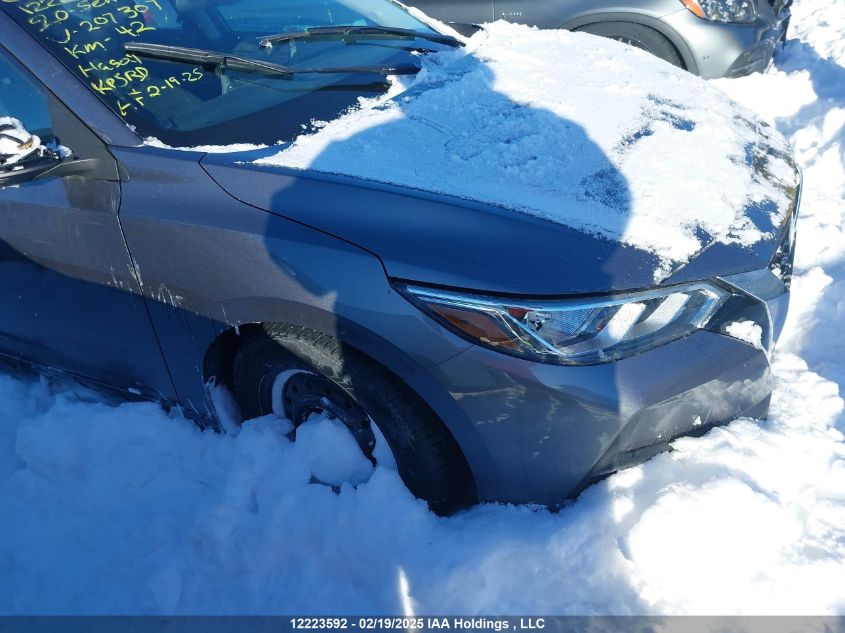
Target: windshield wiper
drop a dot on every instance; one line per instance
(334, 32)
(203, 57)
(223, 61)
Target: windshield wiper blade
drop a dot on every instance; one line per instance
(217, 59)
(332, 32)
(205, 57)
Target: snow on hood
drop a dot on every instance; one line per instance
(572, 128)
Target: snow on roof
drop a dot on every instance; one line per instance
(569, 127)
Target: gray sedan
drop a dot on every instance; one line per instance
(711, 38)
(503, 279)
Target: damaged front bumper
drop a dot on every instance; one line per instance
(546, 431)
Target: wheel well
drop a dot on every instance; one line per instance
(220, 355)
(681, 57)
(220, 358)
(672, 36)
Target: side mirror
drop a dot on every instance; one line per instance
(23, 157)
(28, 168)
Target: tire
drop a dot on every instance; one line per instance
(637, 35)
(427, 457)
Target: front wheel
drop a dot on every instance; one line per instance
(298, 373)
(638, 36)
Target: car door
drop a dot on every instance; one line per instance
(463, 11)
(547, 14)
(69, 294)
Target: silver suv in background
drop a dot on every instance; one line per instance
(710, 38)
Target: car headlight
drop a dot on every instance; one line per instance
(742, 11)
(574, 331)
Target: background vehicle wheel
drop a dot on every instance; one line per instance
(637, 35)
(295, 372)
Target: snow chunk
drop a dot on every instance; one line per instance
(225, 407)
(747, 331)
(610, 141)
(331, 452)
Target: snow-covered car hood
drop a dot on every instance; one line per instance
(570, 129)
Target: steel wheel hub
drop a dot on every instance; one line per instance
(307, 394)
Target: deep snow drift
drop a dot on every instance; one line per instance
(124, 509)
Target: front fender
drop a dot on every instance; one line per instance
(209, 263)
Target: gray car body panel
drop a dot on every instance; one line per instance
(709, 49)
(570, 13)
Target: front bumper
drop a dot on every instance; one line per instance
(548, 430)
(731, 50)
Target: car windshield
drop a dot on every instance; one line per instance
(219, 97)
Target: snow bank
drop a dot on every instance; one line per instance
(804, 96)
(572, 128)
(124, 509)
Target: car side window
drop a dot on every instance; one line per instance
(22, 98)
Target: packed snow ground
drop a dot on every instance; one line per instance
(124, 509)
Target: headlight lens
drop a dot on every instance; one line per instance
(723, 10)
(574, 331)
